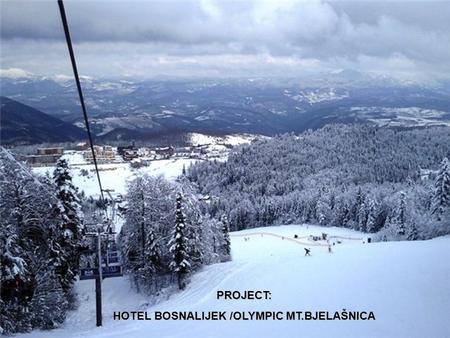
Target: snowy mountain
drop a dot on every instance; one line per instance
(173, 240)
(132, 109)
(318, 95)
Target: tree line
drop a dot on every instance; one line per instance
(378, 180)
(168, 233)
(41, 241)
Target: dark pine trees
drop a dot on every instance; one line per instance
(441, 198)
(179, 245)
(225, 248)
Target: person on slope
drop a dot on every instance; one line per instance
(307, 252)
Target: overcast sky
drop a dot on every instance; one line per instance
(209, 38)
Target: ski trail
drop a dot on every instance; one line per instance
(209, 278)
(409, 296)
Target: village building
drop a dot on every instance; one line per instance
(103, 154)
(45, 156)
(165, 152)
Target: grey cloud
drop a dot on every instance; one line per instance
(333, 34)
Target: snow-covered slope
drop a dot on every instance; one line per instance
(317, 95)
(232, 140)
(405, 284)
(402, 116)
(115, 176)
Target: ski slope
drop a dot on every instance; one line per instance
(405, 284)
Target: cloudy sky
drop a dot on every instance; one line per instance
(211, 38)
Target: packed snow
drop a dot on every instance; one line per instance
(405, 284)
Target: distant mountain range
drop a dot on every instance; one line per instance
(22, 124)
(132, 109)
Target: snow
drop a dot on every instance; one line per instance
(170, 169)
(402, 116)
(317, 96)
(116, 176)
(405, 284)
(234, 139)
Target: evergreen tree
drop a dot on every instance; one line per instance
(12, 265)
(399, 219)
(372, 217)
(412, 232)
(225, 248)
(66, 247)
(179, 245)
(151, 263)
(323, 207)
(362, 213)
(196, 244)
(152, 251)
(441, 198)
(49, 304)
(68, 207)
(29, 243)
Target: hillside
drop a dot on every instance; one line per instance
(356, 176)
(139, 110)
(398, 281)
(22, 124)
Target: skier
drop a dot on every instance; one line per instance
(307, 252)
(329, 249)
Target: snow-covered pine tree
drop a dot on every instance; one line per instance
(12, 265)
(14, 270)
(148, 224)
(412, 233)
(323, 206)
(363, 215)
(68, 210)
(13, 274)
(372, 216)
(357, 213)
(28, 230)
(49, 304)
(209, 242)
(151, 261)
(152, 251)
(196, 246)
(68, 206)
(225, 248)
(399, 219)
(133, 232)
(179, 245)
(441, 198)
(197, 227)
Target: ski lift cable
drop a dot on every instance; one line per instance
(80, 92)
